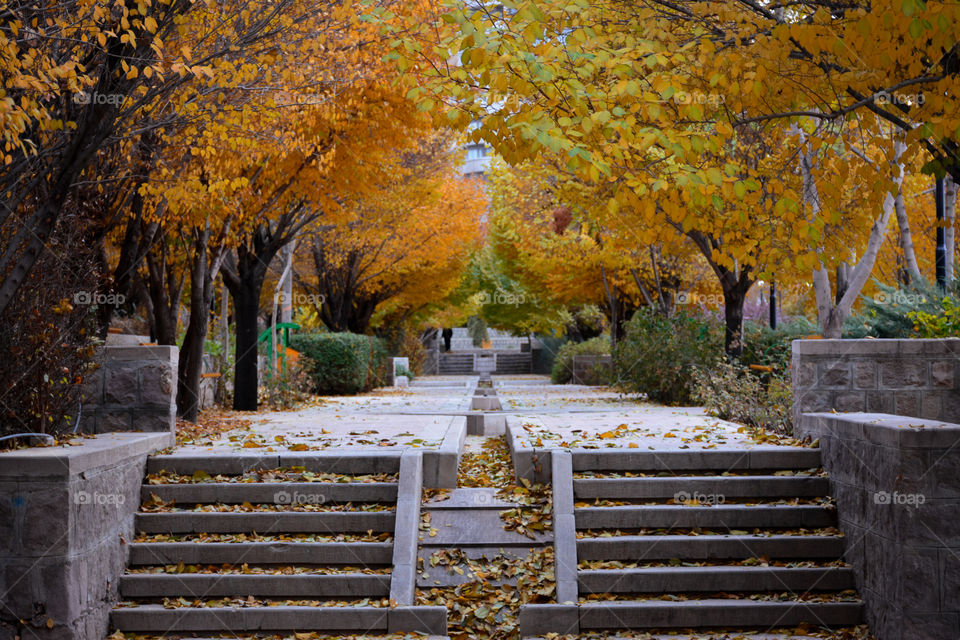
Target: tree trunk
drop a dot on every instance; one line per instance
(246, 302)
(949, 214)
(203, 271)
(733, 300)
(906, 241)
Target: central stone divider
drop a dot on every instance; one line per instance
(782, 560)
(319, 572)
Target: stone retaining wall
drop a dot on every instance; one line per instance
(916, 378)
(897, 485)
(134, 390)
(66, 514)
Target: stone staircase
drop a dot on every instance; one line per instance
(708, 540)
(463, 363)
(248, 544)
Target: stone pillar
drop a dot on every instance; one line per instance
(66, 516)
(135, 389)
(916, 378)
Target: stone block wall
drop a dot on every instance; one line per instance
(897, 485)
(66, 514)
(592, 370)
(134, 390)
(916, 378)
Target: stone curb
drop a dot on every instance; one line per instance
(406, 528)
(528, 462)
(564, 529)
(104, 450)
(889, 430)
(440, 465)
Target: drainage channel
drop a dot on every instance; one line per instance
(486, 547)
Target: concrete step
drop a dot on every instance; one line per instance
(730, 487)
(155, 618)
(715, 517)
(710, 547)
(357, 585)
(759, 459)
(740, 614)
(715, 579)
(266, 522)
(475, 527)
(350, 462)
(441, 576)
(255, 553)
(470, 498)
(272, 492)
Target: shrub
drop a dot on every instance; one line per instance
(891, 311)
(48, 335)
(562, 371)
(734, 392)
(945, 324)
(773, 347)
(658, 355)
(342, 363)
(545, 357)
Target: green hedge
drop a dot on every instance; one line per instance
(658, 355)
(562, 370)
(342, 363)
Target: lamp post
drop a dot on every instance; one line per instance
(773, 304)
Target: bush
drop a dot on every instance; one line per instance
(562, 371)
(945, 324)
(734, 392)
(342, 363)
(773, 347)
(658, 355)
(891, 312)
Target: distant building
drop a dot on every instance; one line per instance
(477, 161)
